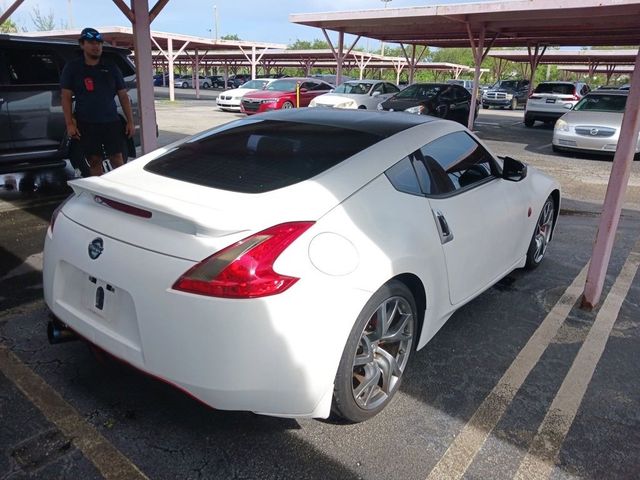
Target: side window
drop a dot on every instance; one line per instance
(456, 161)
(125, 67)
(379, 88)
(32, 67)
(390, 88)
(4, 75)
(403, 177)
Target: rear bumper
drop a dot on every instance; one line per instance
(277, 355)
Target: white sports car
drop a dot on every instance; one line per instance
(290, 263)
(229, 100)
(362, 94)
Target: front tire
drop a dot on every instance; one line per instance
(376, 354)
(541, 235)
(287, 105)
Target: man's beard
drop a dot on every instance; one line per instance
(93, 56)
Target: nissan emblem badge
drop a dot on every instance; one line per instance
(95, 248)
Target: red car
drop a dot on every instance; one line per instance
(282, 94)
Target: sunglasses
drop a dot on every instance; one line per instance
(92, 36)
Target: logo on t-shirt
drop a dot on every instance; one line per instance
(88, 84)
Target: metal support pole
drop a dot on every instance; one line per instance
(144, 74)
(340, 58)
(172, 80)
(196, 73)
(253, 62)
(12, 8)
(618, 180)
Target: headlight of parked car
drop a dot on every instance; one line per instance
(561, 126)
(313, 103)
(379, 106)
(417, 109)
(349, 104)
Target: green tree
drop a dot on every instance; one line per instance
(231, 36)
(316, 44)
(8, 27)
(43, 22)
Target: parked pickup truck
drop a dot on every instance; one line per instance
(506, 93)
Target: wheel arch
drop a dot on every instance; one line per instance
(555, 195)
(415, 285)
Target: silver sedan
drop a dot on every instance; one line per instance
(593, 125)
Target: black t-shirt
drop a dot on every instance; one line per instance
(94, 87)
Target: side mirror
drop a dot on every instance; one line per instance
(375, 94)
(513, 170)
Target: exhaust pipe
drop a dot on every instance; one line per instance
(58, 332)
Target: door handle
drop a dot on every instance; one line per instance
(446, 235)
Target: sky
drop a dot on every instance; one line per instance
(252, 20)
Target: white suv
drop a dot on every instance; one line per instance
(550, 100)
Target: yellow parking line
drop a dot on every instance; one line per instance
(108, 460)
(456, 460)
(543, 452)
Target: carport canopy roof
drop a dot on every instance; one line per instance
(572, 57)
(123, 37)
(514, 23)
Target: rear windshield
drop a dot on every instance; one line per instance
(557, 88)
(260, 156)
(602, 103)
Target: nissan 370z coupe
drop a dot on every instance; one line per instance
(290, 263)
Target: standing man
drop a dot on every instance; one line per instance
(96, 124)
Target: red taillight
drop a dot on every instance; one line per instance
(245, 269)
(123, 207)
(57, 211)
(575, 97)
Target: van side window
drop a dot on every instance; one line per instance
(32, 67)
(455, 162)
(119, 61)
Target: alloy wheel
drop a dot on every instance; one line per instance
(542, 234)
(382, 353)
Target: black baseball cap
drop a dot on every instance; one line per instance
(91, 34)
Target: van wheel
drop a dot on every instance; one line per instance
(529, 121)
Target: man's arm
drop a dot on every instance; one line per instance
(67, 100)
(126, 108)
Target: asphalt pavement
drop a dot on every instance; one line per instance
(520, 383)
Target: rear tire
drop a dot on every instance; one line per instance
(375, 356)
(529, 121)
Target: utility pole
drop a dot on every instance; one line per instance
(382, 43)
(70, 14)
(215, 22)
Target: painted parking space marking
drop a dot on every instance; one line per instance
(111, 463)
(456, 460)
(545, 447)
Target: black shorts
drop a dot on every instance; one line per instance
(94, 137)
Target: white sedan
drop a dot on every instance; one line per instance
(362, 94)
(258, 266)
(229, 100)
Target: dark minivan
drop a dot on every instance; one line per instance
(32, 127)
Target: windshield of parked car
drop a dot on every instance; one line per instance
(509, 84)
(260, 156)
(557, 88)
(282, 86)
(602, 103)
(354, 88)
(255, 84)
(420, 90)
